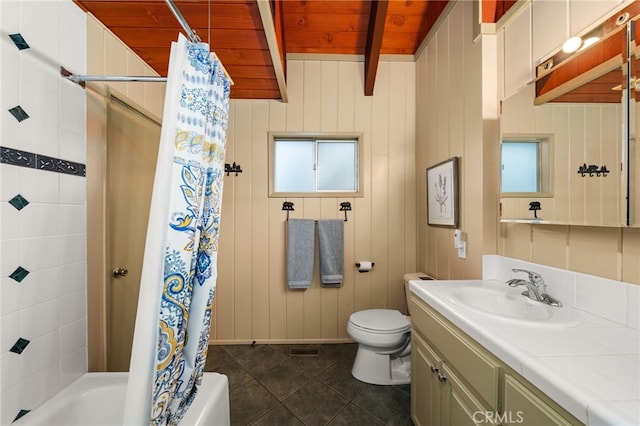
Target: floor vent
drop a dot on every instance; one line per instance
(304, 352)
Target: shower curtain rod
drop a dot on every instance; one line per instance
(82, 79)
(183, 22)
(191, 35)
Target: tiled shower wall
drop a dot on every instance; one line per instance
(42, 239)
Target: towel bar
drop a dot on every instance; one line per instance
(345, 206)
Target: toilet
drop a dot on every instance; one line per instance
(384, 346)
(384, 342)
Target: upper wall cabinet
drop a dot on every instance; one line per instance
(578, 104)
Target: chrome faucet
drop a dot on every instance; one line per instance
(536, 287)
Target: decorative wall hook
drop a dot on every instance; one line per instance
(345, 207)
(535, 206)
(288, 207)
(233, 168)
(592, 169)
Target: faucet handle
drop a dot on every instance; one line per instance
(534, 277)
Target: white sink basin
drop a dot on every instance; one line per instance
(510, 305)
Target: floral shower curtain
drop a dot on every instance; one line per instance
(180, 263)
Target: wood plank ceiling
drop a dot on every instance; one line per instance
(235, 31)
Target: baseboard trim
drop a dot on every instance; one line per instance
(280, 341)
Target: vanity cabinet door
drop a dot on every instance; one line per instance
(425, 386)
(479, 369)
(460, 405)
(523, 404)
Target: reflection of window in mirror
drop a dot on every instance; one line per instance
(314, 165)
(526, 165)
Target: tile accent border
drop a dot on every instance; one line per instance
(41, 162)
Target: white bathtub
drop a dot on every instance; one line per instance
(98, 399)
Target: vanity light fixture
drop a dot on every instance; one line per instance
(576, 43)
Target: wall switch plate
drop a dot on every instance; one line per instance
(462, 250)
(459, 244)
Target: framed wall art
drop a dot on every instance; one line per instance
(442, 193)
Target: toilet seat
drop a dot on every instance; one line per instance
(380, 321)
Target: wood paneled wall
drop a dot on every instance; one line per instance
(457, 116)
(455, 101)
(252, 299)
(603, 251)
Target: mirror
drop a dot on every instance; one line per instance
(579, 99)
(632, 189)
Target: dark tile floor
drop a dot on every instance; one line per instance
(271, 385)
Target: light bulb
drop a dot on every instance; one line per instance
(588, 42)
(572, 44)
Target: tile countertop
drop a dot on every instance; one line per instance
(592, 369)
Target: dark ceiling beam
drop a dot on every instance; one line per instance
(278, 21)
(270, 33)
(377, 17)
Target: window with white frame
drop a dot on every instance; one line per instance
(314, 164)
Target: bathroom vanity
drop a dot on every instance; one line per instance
(482, 353)
(456, 381)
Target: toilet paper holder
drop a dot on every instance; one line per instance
(367, 268)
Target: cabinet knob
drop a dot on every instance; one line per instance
(442, 377)
(434, 368)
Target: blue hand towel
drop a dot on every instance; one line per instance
(300, 252)
(331, 244)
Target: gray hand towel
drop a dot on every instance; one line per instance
(300, 252)
(331, 243)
